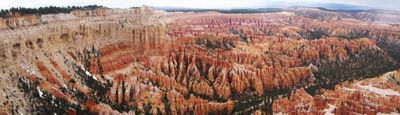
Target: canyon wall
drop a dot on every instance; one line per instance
(26, 40)
(80, 29)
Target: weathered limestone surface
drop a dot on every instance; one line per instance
(86, 28)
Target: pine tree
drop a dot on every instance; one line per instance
(44, 10)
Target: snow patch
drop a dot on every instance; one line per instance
(88, 74)
(329, 111)
(40, 92)
(28, 69)
(392, 113)
(349, 89)
(385, 92)
(65, 86)
(280, 113)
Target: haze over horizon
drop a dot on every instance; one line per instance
(215, 4)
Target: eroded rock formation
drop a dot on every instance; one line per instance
(143, 60)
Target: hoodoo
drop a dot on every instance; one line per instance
(147, 61)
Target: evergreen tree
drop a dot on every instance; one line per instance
(43, 10)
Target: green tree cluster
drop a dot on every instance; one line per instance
(43, 10)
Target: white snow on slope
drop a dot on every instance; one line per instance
(40, 92)
(393, 113)
(385, 92)
(329, 111)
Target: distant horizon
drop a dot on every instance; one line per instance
(208, 4)
(172, 7)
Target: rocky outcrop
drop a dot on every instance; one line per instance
(371, 96)
(19, 22)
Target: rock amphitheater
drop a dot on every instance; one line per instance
(148, 61)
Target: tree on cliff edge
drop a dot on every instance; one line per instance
(43, 10)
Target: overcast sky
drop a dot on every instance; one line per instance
(383, 4)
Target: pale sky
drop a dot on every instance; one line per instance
(224, 4)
